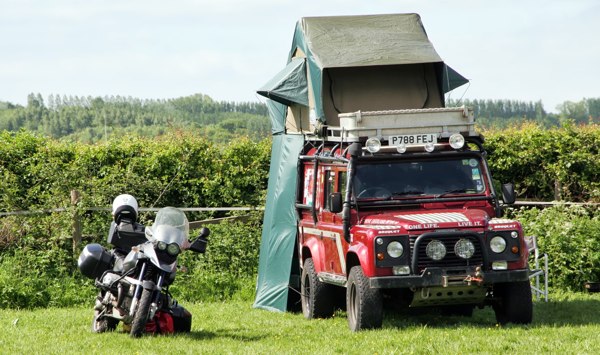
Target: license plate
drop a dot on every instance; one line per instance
(413, 139)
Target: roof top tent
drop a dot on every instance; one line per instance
(336, 65)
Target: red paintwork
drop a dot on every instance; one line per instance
(318, 239)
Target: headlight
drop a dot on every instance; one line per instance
(464, 248)
(395, 249)
(373, 145)
(498, 244)
(173, 249)
(435, 250)
(161, 246)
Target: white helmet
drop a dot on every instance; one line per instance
(125, 206)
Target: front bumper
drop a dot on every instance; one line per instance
(432, 277)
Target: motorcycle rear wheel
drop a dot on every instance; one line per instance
(138, 326)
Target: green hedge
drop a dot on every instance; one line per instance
(541, 161)
(37, 263)
(36, 251)
(570, 236)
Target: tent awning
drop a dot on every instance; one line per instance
(289, 85)
(452, 79)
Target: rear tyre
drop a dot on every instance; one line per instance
(138, 326)
(513, 303)
(364, 304)
(316, 296)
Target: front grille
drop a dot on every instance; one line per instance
(451, 260)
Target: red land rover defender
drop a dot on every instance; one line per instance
(401, 205)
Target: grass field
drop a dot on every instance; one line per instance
(568, 324)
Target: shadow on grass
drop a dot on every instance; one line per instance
(552, 313)
(233, 334)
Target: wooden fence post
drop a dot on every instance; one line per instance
(75, 196)
(557, 190)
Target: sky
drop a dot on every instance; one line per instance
(154, 49)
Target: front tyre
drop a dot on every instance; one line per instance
(513, 303)
(103, 324)
(138, 326)
(364, 304)
(316, 296)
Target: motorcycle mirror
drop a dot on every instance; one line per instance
(204, 232)
(199, 245)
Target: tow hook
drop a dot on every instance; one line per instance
(470, 279)
(477, 278)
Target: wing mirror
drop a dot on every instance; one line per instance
(335, 202)
(508, 193)
(199, 245)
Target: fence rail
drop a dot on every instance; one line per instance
(77, 223)
(141, 209)
(260, 208)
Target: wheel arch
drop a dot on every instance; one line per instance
(313, 249)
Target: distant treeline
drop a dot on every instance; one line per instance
(91, 119)
(506, 113)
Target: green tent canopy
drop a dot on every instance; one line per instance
(289, 85)
(335, 65)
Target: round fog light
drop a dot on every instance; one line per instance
(464, 248)
(457, 141)
(435, 250)
(429, 147)
(373, 145)
(401, 148)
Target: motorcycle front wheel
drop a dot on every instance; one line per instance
(104, 324)
(138, 326)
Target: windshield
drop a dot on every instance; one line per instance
(389, 180)
(170, 226)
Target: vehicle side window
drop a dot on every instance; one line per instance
(329, 187)
(341, 182)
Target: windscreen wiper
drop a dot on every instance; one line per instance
(455, 191)
(410, 192)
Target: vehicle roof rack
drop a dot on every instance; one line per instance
(444, 121)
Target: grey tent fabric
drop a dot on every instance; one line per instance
(358, 41)
(351, 41)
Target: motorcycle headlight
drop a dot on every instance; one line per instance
(161, 246)
(498, 244)
(173, 249)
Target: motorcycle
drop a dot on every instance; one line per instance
(133, 279)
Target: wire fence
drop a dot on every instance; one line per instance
(524, 203)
